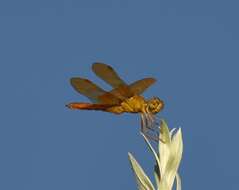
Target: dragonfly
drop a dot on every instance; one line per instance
(123, 98)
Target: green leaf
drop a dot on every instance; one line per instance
(178, 187)
(164, 132)
(157, 175)
(142, 179)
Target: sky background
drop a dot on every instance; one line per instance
(190, 46)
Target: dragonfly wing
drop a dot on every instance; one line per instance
(108, 74)
(87, 88)
(122, 92)
(139, 86)
(92, 91)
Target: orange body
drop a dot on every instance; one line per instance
(135, 104)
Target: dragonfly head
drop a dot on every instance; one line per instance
(154, 105)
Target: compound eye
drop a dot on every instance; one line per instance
(151, 107)
(155, 105)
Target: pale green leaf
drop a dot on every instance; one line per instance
(142, 179)
(157, 175)
(178, 180)
(164, 132)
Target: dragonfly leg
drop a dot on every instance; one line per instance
(152, 137)
(151, 123)
(145, 128)
(143, 123)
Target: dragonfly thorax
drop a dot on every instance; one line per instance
(137, 104)
(134, 104)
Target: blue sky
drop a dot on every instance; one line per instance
(191, 47)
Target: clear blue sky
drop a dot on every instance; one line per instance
(191, 47)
